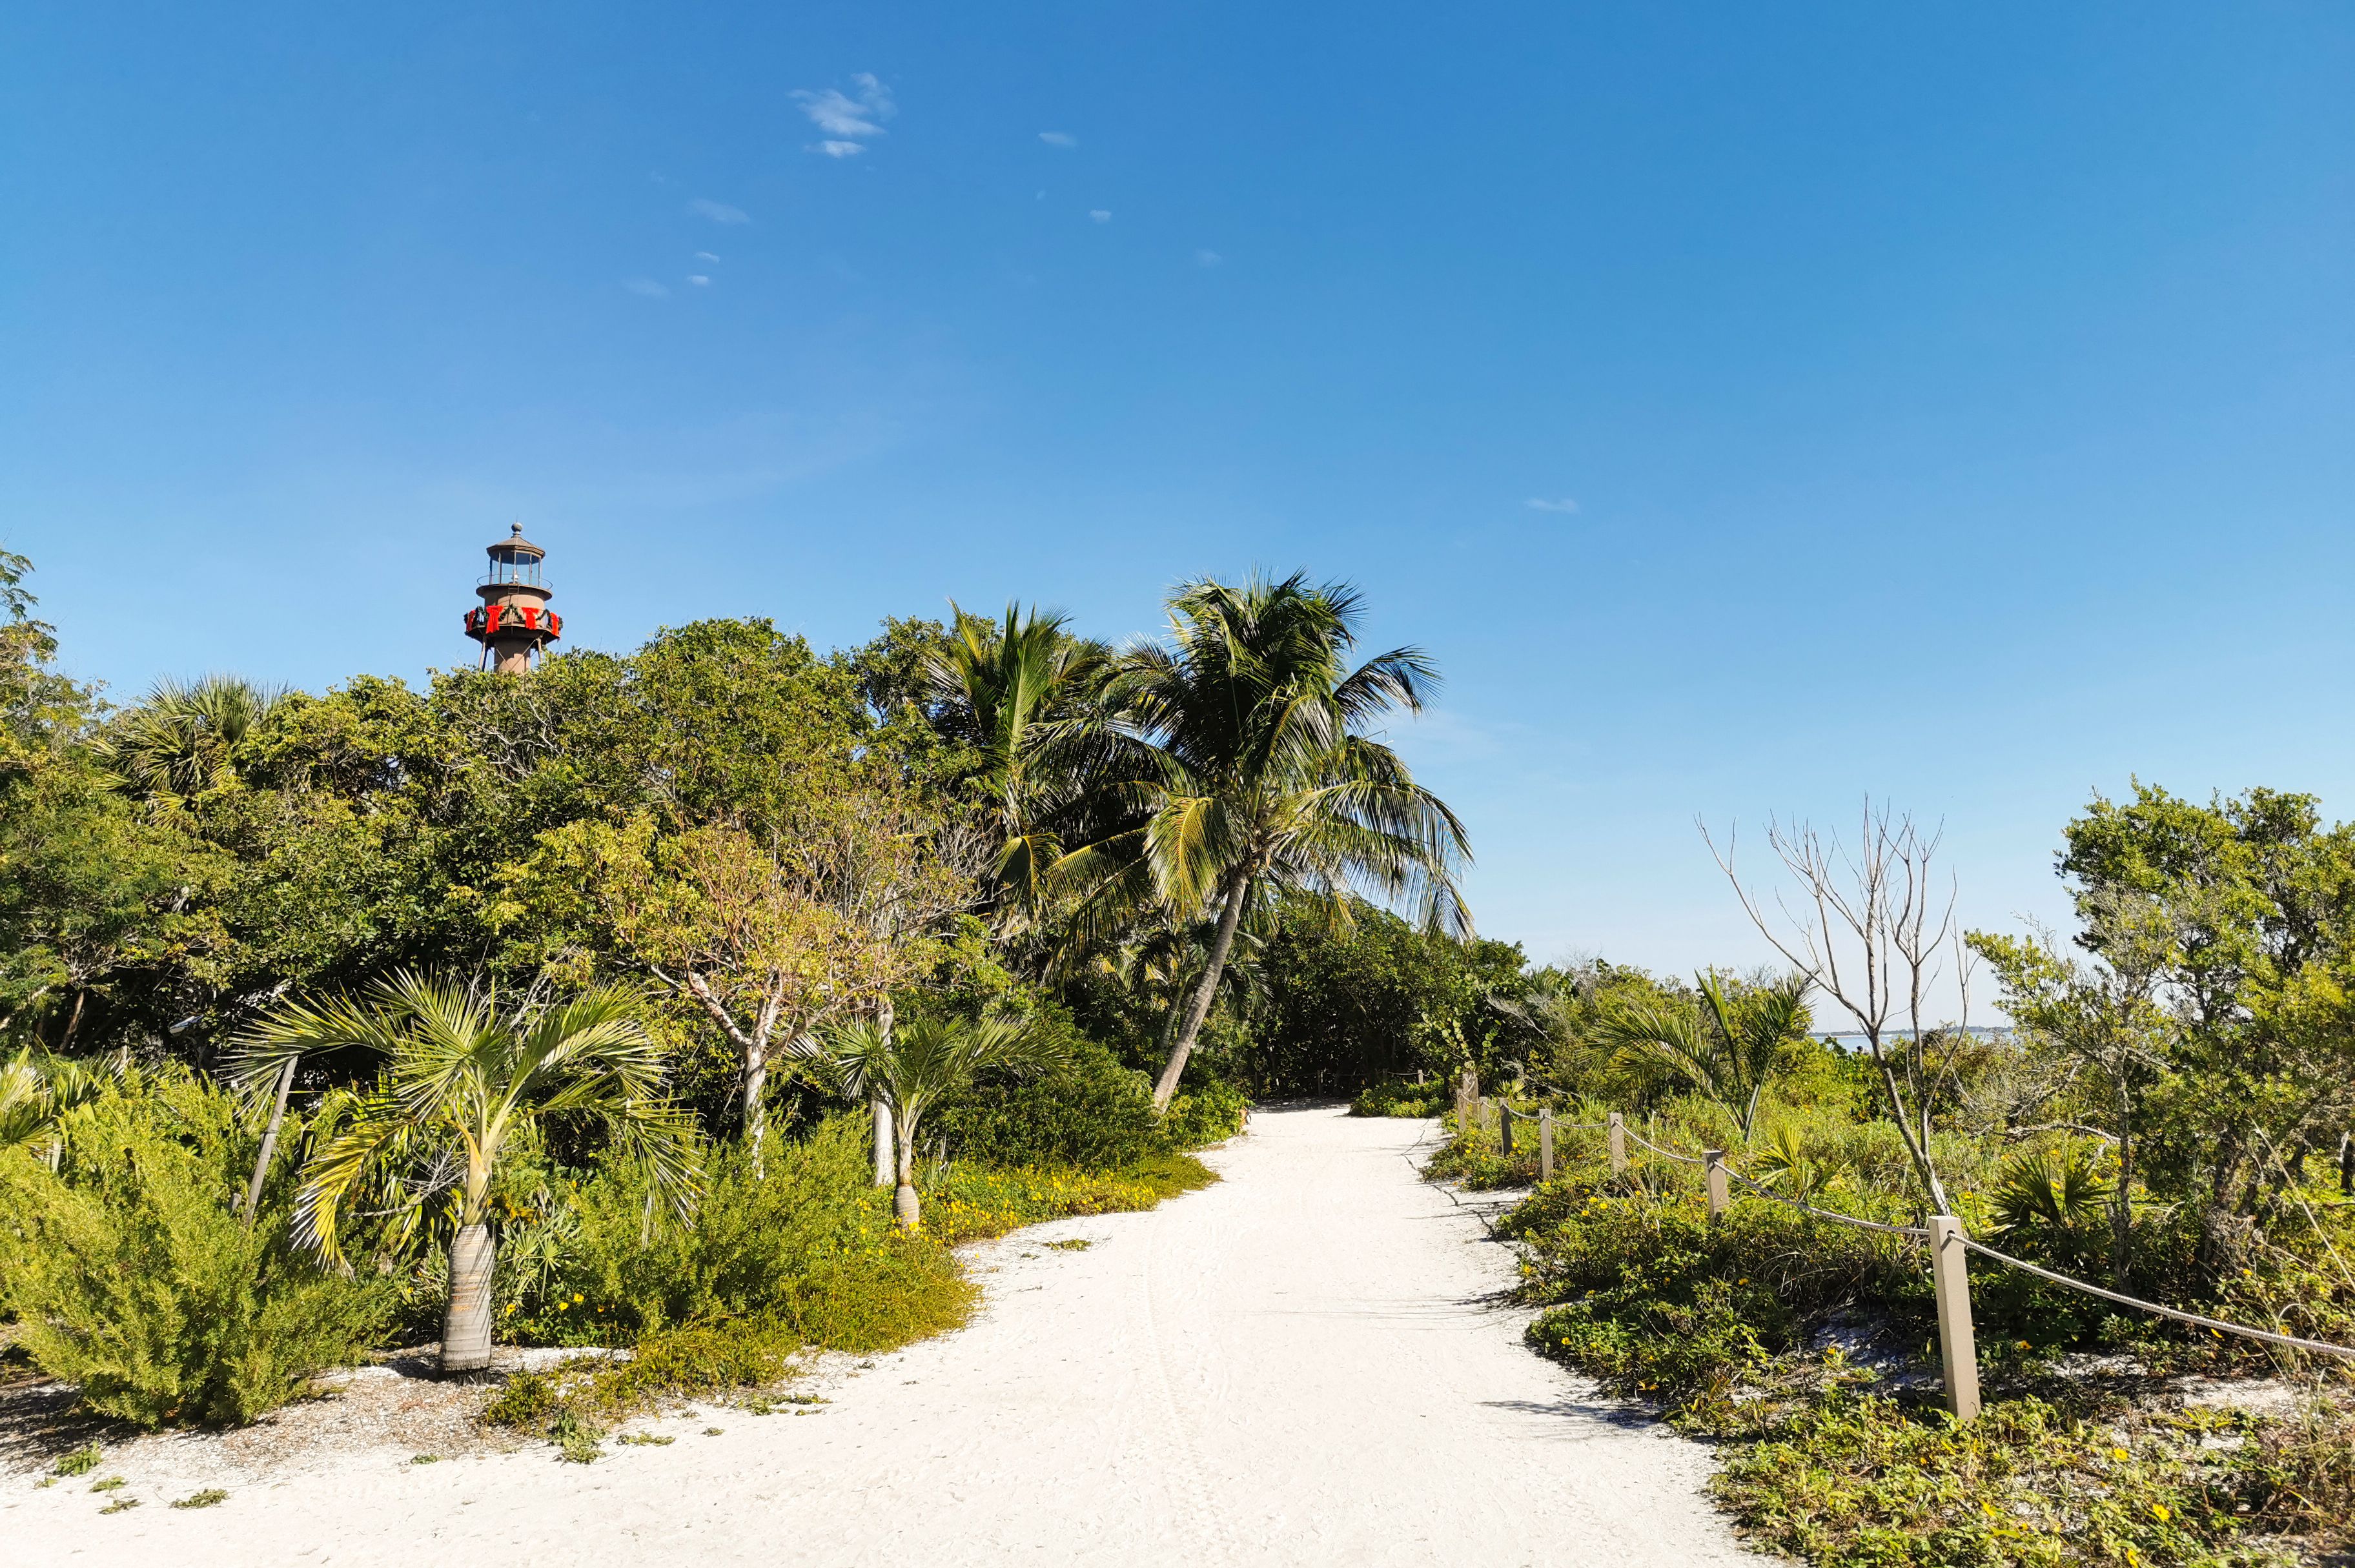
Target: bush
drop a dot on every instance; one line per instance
(809, 1246)
(1210, 1112)
(966, 1202)
(135, 1281)
(1398, 1097)
(1092, 1114)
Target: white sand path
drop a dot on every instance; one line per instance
(1303, 1364)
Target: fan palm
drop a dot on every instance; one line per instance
(460, 1084)
(36, 1090)
(2048, 1188)
(1247, 773)
(180, 741)
(913, 1067)
(1726, 1048)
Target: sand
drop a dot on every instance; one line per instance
(1304, 1364)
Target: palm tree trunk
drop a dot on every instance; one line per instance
(883, 1144)
(269, 1142)
(467, 1326)
(905, 1206)
(1199, 1008)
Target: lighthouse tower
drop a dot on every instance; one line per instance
(513, 621)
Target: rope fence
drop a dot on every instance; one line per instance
(1949, 1246)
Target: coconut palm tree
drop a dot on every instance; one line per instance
(460, 1083)
(1248, 773)
(1726, 1047)
(179, 742)
(1019, 682)
(913, 1067)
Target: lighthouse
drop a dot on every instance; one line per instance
(514, 621)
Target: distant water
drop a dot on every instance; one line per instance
(1855, 1042)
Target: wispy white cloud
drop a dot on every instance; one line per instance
(1538, 504)
(1058, 138)
(718, 211)
(847, 118)
(1100, 214)
(1207, 258)
(698, 279)
(646, 286)
(705, 256)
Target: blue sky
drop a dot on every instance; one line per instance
(1949, 402)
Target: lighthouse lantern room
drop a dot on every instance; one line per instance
(513, 623)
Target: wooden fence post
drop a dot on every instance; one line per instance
(1958, 1353)
(1618, 1144)
(1545, 1144)
(2347, 1165)
(1719, 1193)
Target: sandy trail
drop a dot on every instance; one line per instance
(1296, 1366)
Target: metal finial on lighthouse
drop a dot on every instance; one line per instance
(514, 621)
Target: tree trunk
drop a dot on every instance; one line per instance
(2122, 1203)
(1204, 993)
(1919, 1152)
(904, 1208)
(883, 1144)
(467, 1326)
(269, 1142)
(756, 1112)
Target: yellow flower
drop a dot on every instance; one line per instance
(2160, 1510)
(2120, 1454)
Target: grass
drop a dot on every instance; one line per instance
(119, 1504)
(80, 1462)
(210, 1498)
(1855, 1478)
(970, 1203)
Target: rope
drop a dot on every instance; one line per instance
(2217, 1324)
(1918, 1235)
(1658, 1150)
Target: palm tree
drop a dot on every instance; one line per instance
(180, 741)
(1248, 773)
(911, 1068)
(460, 1083)
(1726, 1048)
(1020, 683)
(36, 1092)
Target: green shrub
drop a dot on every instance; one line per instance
(809, 1244)
(969, 1202)
(1398, 1097)
(1092, 1114)
(135, 1281)
(1210, 1112)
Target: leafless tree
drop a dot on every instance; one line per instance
(1874, 930)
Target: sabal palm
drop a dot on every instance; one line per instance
(1019, 682)
(1726, 1048)
(180, 741)
(911, 1067)
(460, 1083)
(1250, 773)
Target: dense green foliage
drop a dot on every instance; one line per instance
(131, 1277)
(635, 887)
